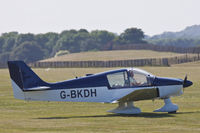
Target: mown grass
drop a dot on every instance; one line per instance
(113, 55)
(39, 117)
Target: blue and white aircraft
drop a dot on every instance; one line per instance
(124, 86)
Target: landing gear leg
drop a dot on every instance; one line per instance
(168, 107)
(129, 109)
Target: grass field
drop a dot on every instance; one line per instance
(18, 116)
(113, 55)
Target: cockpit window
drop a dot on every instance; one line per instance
(118, 80)
(139, 77)
(130, 78)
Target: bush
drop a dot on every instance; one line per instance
(62, 52)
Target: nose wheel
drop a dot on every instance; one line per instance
(168, 107)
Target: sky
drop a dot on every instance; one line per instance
(152, 16)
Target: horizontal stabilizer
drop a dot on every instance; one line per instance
(39, 88)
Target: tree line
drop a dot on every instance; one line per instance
(177, 42)
(32, 47)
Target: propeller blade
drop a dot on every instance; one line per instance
(185, 79)
(186, 83)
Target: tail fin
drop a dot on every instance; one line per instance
(24, 78)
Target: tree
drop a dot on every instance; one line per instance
(66, 41)
(73, 41)
(28, 52)
(4, 57)
(133, 35)
(8, 41)
(47, 41)
(2, 41)
(102, 38)
(24, 38)
(83, 31)
(9, 44)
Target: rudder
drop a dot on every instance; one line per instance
(23, 77)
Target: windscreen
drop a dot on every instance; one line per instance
(140, 77)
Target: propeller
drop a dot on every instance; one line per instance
(186, 83)
(185, 80)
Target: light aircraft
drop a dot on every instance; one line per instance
(124, 86)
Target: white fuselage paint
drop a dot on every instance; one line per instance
(171, 90)
(92, 94)
(18, 93)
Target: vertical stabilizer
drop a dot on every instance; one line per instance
(23, 78)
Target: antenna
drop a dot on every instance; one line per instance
(74, 73)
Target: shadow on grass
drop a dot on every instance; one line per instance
(188, 112)
(144, 115)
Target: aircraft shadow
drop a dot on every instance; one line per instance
(144, 115)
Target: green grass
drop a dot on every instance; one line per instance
(113, 55)
(18, 116)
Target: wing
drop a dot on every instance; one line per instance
(141, 94)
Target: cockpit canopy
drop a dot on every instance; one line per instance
(131, 77)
